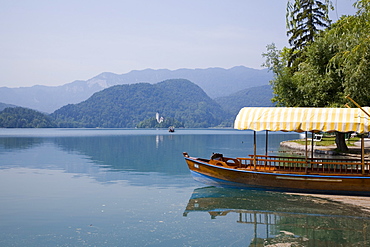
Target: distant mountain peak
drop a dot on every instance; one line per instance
(100, 82)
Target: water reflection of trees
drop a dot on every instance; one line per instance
(157, 153)
(128, 153)
(144, 153)
(279, 218)
(18, 143)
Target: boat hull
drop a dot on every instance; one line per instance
(308, 183)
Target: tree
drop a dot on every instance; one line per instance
(304, 20)
(335, 64)
(338, 63)
(284, 89)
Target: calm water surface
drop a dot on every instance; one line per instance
(129, 187)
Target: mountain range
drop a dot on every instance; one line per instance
(216, 82)
(3, 106)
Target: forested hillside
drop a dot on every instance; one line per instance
(3, 106)
(125, 106)
(18, 117)
(255, 96)
(180, 102)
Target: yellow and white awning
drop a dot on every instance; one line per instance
(303, 119)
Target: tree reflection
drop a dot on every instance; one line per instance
(277, 218)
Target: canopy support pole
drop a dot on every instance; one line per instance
(362, 136)
(254, 149)
(267, 143)
(363, 154)
(354, 102)
(306, 153)
(312, 145)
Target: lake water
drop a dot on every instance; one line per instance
(131, 187)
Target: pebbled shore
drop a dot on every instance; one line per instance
(360, 201)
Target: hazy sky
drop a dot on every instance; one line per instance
(53, 42)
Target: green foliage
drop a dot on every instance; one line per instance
(126, 106)
(284, 88)
(18, 117)
(336, 64)
(304, 20)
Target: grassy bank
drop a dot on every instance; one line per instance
(327, 141)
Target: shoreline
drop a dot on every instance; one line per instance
(362, 202)
(355, 151)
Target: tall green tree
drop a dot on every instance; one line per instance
(305, 18)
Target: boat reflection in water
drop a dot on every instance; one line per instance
(294, 220)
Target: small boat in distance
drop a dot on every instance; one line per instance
(171, 129)
(294, 174)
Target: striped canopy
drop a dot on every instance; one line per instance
(303, 119)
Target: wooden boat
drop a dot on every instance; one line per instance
(297, 174)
